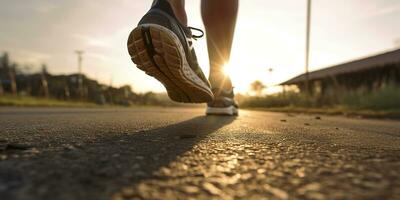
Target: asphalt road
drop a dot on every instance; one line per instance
(162, 153)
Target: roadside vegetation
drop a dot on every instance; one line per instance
(9, 100)
(384, 102)
(145, 99)
(30, 85)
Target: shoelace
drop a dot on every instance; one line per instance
(196, 36)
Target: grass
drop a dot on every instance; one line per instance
(387, 98)
(159, 100)
(9, 100)
(363, 113)
(382, 103)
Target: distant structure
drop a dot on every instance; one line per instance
(366, 74)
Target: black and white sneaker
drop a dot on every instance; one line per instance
(223, 103)
(162, 47)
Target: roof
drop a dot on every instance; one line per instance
(349, 67)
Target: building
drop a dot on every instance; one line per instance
(365, 74)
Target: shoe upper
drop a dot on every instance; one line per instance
(223, 98)
(162, 14)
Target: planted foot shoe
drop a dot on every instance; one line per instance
(223, 103)
(162, 47)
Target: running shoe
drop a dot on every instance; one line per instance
(223, 103)
(163, 48)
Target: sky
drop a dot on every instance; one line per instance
(269, 34)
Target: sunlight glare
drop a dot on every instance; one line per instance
(227, 69)
(240, 76)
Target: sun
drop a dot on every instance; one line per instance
(228, 69)
(240, 76)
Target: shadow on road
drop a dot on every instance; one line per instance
(164, 145)
(159, 147)
(99, 169)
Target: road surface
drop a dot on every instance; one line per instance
(163, 153)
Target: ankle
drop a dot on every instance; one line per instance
(220, 81)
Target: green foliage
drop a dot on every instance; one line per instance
(9, 100)
(387, 98)
(279, 100)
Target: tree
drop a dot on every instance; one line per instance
(5, 61)
(8, 73)
(257, 87)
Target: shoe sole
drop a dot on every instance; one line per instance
(157, 51)
(231, 110)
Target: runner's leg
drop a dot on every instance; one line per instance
(219, 17)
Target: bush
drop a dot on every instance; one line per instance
(280, 100)
(386, 98)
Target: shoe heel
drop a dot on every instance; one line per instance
(142, 57)
(157, 51)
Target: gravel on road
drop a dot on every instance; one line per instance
(165, 153)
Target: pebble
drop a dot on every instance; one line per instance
(300, 172)
(165, 171)
(245, 176)
(281, 194)
(211, 188)
(32, 151)
(316, 196)
(190, 189)
(309, 187)
(139, 157)
(261, 171)
(69, 147)
(128, 192)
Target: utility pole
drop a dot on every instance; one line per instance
(12, 75)
(80, 81)
(270, 70)
(1, 87)
(110, 90)
(45, 85)
(2, 71)
(307, 81)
